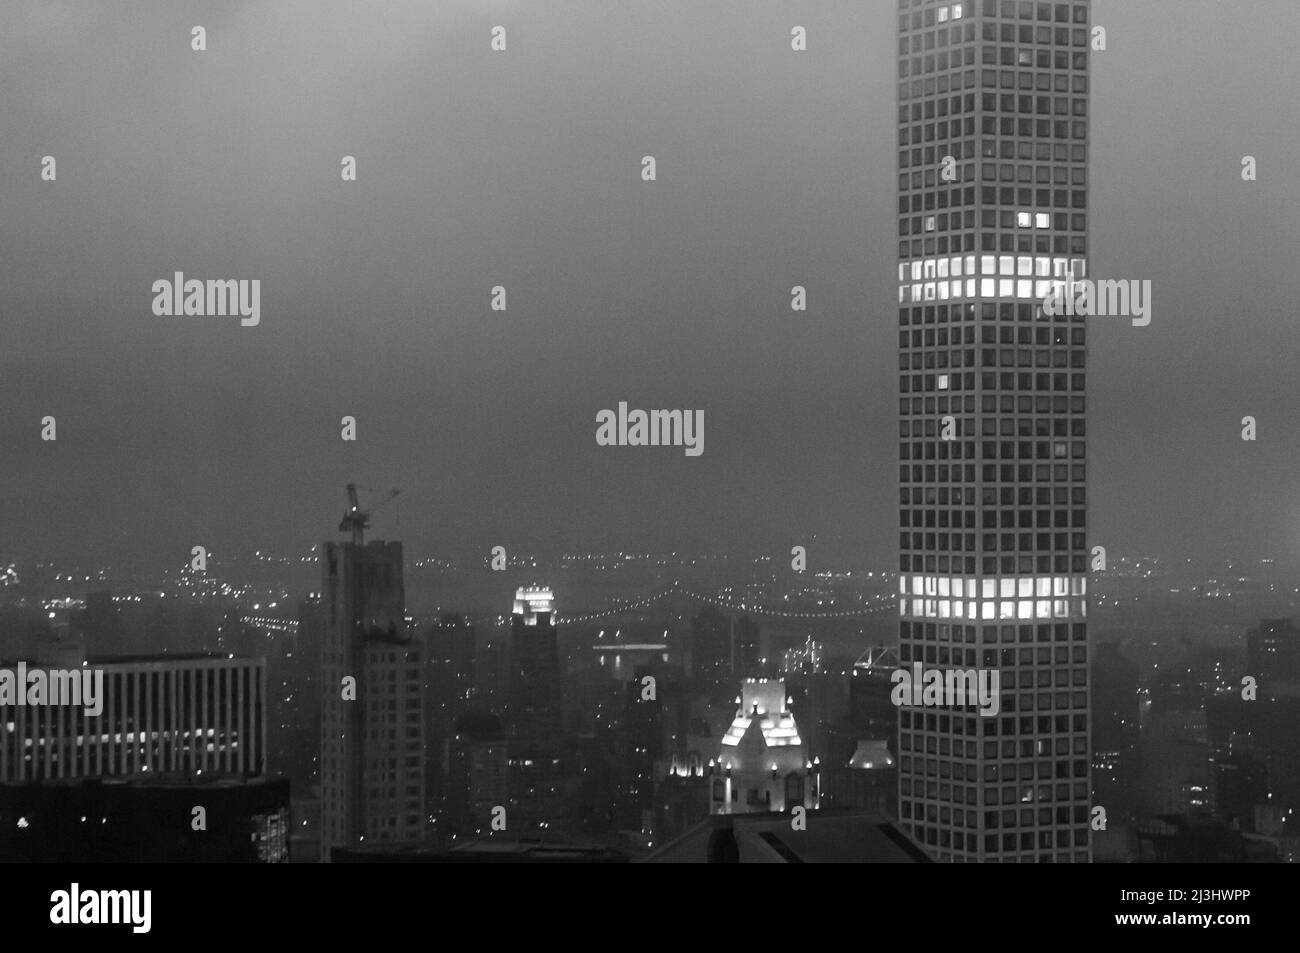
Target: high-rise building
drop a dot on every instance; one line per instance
(993, 221)
(534, 706)
(372, 701)
(477, 773)
(172, 716)
(451, 668)
(449, 683)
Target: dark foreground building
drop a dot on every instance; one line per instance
(486, 850)
(770, 838)
(145, 822)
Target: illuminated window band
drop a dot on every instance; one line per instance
(1022, 277)
(1019, 597)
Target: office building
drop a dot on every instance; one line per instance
(993, 220)
(174, 715)
(534, 707)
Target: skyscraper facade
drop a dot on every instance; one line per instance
(372, 701)
(534, 707)
(180, 716)
(993, 122)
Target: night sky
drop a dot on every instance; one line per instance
(522, 169)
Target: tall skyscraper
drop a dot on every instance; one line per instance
(534, 706)
(449, 687)
(993, 204)
(372, 701)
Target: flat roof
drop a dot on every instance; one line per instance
(841, 836)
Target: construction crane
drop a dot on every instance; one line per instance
(357, 520)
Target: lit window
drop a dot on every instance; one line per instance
(943, 14)
(1043, 220)
(956, 11)
(929, 223)
(1024, 219)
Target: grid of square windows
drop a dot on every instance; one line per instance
(993, 145)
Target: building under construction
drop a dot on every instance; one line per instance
(372, 706)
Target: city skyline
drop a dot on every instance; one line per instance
(220, 425)
(357, 386)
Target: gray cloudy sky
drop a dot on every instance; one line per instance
(522, 169)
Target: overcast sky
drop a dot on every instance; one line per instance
(522, 169)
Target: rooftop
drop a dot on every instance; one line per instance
(830, 837)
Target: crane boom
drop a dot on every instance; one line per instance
(355, 519)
